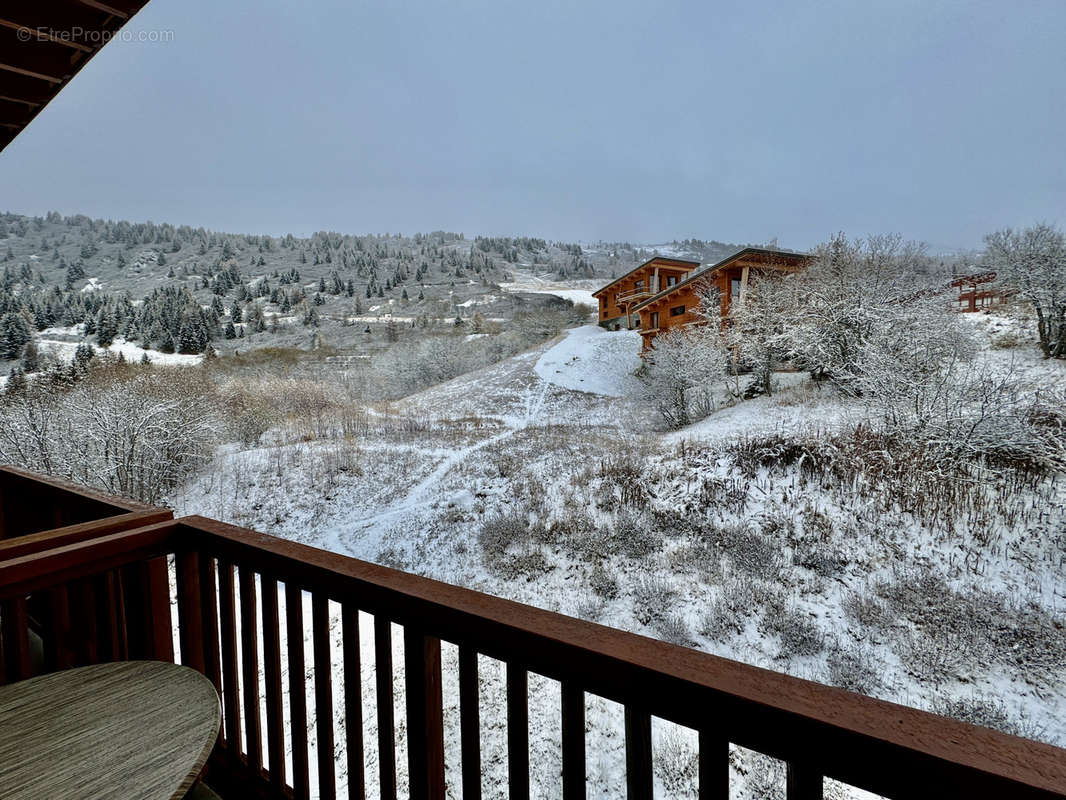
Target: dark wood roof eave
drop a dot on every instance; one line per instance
(639, 267)
(42, 47)
(706, 273)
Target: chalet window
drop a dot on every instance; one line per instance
(671, 280)
(639, 285)
(654, 321)
(677, 311)
(734, 289)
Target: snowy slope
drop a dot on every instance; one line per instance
(592, 359)
(539, 434)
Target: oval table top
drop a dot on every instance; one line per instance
(128, 729)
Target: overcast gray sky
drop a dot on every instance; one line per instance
(616, 119)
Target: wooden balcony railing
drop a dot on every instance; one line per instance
(633, 295)
(892, 750)
(31, 503)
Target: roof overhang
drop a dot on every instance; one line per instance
(43, 44)
(666, 262)
(748, 252)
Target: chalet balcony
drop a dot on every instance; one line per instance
(118, 582)
(634, 296)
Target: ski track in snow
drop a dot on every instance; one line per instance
(422, 495)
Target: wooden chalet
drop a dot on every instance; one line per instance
(978, 292)
(678, 305)
(619, 298)
(87, 579)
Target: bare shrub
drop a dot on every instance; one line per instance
(500, 532)
(673, 629)
(728, 614)
(530, 565)
(636, 537)
(866, 610)
(131, 431)
(853, 669)
(622, 482)
(750, 551)
(653, 598)
(678, 372)
(603, 581)
(988, 712)
(798, 634)
(823, 560)
(676, 764)
(591, 608)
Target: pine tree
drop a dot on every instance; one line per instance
(16, 382)
(31, 357)
(15, 331)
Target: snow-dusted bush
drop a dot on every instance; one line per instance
(989, 712)
(672, 628)
(758, 333)
(853, 669)
(500, 532)
(676, 765)
(797, 634)
(603, 581)
(128, 430)
(1032, 261)
(679, 372)
(848, 294)
(653, 597)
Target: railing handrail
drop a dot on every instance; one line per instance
(882, 747)
(59, 484)
(30, 543)
(634, 293)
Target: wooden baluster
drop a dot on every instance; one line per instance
(157, 588)
(275, 723)
(231, 699)
(190, 617)
(714, 766)
(573, 730)
(294, 627)
(803, 783)
(250, 669)
(56, 646)
(209, 625)
(327, 781)
(470, 723)
(386, 725)
(353, 703)
(638, 754)
(137, 611)
(14, 628)
(425, 715)
(517, 732)
(83, 622)
(109, 619)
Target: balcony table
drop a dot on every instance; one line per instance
(136, 730)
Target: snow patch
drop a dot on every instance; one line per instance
(592, 359)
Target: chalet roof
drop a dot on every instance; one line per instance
(43, 45)
(675, 261)
(725, 262)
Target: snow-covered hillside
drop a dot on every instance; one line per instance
(541, 479)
